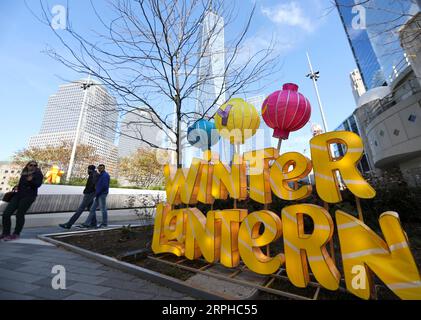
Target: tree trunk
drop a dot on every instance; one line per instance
(179, 146)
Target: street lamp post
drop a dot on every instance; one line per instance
(85, 87)
(315, 76)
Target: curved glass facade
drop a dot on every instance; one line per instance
(372, 27)
(384, 19)
(363, 51)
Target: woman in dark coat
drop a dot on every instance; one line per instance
(27, 190)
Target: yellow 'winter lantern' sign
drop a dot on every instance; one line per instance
(226, 236)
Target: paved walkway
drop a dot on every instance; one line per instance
(26, 274)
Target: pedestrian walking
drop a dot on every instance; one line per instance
(27, 191)
(101, 192)
(88, 198)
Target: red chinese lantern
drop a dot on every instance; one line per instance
(286, 110)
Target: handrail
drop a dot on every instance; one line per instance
(377, 107)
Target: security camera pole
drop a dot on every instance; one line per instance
(315, 76)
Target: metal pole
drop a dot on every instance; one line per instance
(174, 154)
(279, 145)
(79, 125)
(317, 93)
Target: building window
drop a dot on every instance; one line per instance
(396, 132)
(412, 118)
(375, 143)
(381, 133)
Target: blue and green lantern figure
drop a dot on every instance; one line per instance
(202, 134)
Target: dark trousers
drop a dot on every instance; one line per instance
(21, 206)
(85, 204)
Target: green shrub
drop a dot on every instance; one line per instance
(402, 199)
(114, 183)
(74, 182)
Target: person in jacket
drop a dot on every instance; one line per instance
(27, 191)
(88, 198)
(101, 192)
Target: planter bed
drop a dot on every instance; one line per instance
(127, 249)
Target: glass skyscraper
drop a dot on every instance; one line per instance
(210, 73)
(361, 47)
(384, 19)
(372, 28)
(137, 128)
(350, 124)
(89, 110)
(211, 68)
(263, 139)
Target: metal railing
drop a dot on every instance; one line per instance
(377, 107)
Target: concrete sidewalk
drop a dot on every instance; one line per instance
(53, 219)
(26, 274)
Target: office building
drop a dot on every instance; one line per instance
(390, 122)
(357, 84)
(350, 124)
(410, 35)
(84, 111)
(372, 28)
(211, 68)
(384, 18)
(210, 94)
(9, 173)
(388, 117)
(138, 128)
(262, 139)
(361, 46)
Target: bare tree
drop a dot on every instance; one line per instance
(149, 53)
